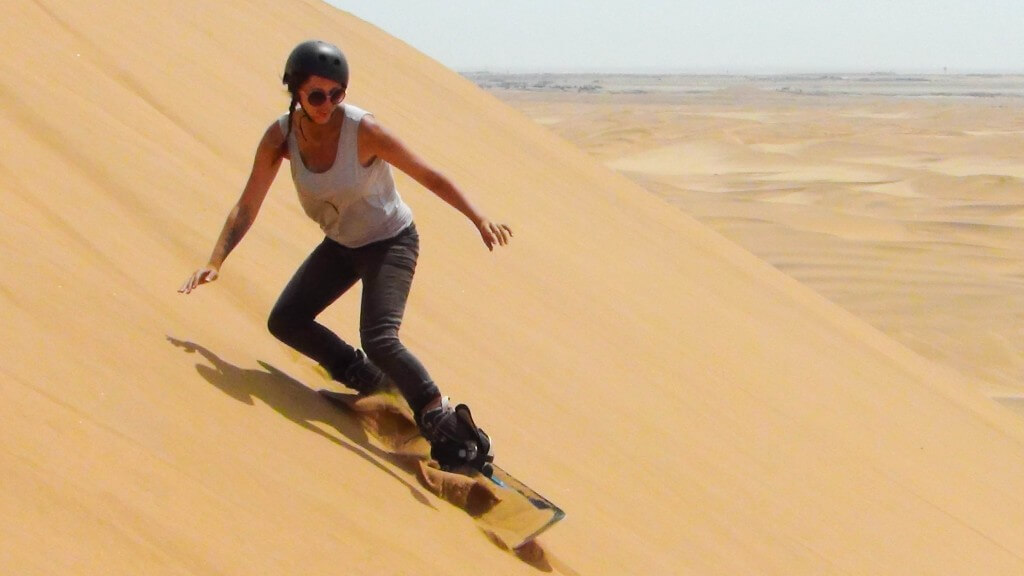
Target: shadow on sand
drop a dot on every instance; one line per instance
(300, 404)
(304, 406)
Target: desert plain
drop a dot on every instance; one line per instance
(898, 196)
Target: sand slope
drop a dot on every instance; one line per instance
(694, 410)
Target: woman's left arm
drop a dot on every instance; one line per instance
(374, 141)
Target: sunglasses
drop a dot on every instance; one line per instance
(318, 97)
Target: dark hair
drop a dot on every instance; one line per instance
(293, 88)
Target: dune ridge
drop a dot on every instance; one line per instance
(692, 409)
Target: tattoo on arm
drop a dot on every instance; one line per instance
(243, 220)
(236, 226)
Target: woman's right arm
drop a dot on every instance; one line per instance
(268, 158)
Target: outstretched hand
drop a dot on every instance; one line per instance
(198, 278)
(493, 233)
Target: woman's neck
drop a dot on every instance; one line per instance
(315, 133)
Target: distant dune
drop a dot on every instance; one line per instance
(693, 409)
(906, 211)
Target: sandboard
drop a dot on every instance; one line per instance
(516, 516)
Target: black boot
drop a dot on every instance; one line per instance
(455, 440)
(362, 376)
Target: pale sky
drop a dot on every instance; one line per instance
(708, 35)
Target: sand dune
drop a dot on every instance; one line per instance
(694, 410)
(907, 212)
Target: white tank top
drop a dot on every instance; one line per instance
(355, 205)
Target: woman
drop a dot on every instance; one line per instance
(341, 162)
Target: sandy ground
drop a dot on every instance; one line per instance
(693, 409)
(907, 211)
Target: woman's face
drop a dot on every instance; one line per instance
(319, 96)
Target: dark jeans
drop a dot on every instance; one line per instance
(386, 269)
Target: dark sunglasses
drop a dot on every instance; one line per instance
(318, 97)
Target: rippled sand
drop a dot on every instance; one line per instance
(907, 211)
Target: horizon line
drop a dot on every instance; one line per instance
(739, 71)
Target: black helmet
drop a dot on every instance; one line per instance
(316, 58)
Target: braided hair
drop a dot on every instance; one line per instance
(293, 89)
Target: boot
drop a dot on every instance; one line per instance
(362, 376)
(455, 440)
